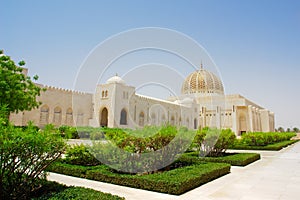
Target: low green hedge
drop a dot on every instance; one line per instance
(176, 181)
(235, 159)
(56, 191)
(263, 139)
(272, 147)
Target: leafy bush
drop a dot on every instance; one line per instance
(56, 191)
(263, 139)
(213, 142)
(68, 132)
(80, 155)
(235, 159)
(176, 181)
(89, 132)
(24, 155)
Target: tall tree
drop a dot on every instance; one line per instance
(17, 91)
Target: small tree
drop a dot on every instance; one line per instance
(296, 130)
(17, 91)
(213, 142)
(280, 129)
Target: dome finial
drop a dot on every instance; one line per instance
(201, 66)
(117, 74)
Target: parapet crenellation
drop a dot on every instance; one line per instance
(70, 91)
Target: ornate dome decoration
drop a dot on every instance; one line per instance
(115, 79)
(202, 82)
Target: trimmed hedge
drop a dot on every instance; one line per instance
(56, 191)
(176, 181)
(271, 147)
(235, 159)
(263, 139)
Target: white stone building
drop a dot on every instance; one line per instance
(116, 104)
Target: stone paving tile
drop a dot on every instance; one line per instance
(276, 177)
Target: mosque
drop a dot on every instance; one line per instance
(202, 103)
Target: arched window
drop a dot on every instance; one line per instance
(106, 93)
(123, 117)
(102, 94)
(172, 120)
(57, 116)
(187, 122)
(153, 119)
(195, 123)
(104, 117)
(141, 119)
(69, 117)
(44, 115)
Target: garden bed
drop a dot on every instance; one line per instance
(235, 159)
(272, 147)
(175, 181)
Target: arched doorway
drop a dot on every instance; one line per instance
(242, 125)
(141, 119)
(104, 117)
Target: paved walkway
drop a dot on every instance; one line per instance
(276, 176)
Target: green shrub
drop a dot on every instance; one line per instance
(272, 147)
(213, 142)
(125, 151)
(80, 155)
(24, 155)
(68, 132)
(263, 139)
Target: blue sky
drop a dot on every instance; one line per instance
(255, 44)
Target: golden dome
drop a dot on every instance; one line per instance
(203, 82)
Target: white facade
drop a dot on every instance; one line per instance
(115, 104)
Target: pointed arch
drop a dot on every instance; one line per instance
(141, 119)
(123, 117)
(172, 120)
(57, 116)
(69, 117)
(195, 123)
(103, 118)
(153, 119)
(44, 115)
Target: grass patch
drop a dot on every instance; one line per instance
(55, 191)
(175, 181)
(235, 159)
(272, 147)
